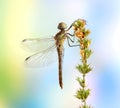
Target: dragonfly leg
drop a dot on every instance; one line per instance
(69, 39)
(72, 35)
(70, 26)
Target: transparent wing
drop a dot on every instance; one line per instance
(43, 58)
(37, 44)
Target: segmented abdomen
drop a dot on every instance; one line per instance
(60, 55)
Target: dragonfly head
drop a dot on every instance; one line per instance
(62, 26)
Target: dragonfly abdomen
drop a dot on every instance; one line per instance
(60, 55)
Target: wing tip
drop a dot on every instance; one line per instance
(24, 40)
(27, 58)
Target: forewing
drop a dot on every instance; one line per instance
(43, 58)
(37, 44)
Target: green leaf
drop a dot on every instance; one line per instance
(82, 94)
(81, 82)
(84, 68)
(80, 23)
(85, 106)
(88, 52)
(86, 94)
(86, 32)
(79, 94)
(86, 42)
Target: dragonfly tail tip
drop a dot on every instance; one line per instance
(61, 86)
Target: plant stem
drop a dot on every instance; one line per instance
(80, 32)
(84, 102)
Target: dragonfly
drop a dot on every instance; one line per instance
(46, 47)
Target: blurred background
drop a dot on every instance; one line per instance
(23, 87)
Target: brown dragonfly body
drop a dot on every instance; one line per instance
(60, 37)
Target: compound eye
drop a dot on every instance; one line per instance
(62, 25)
